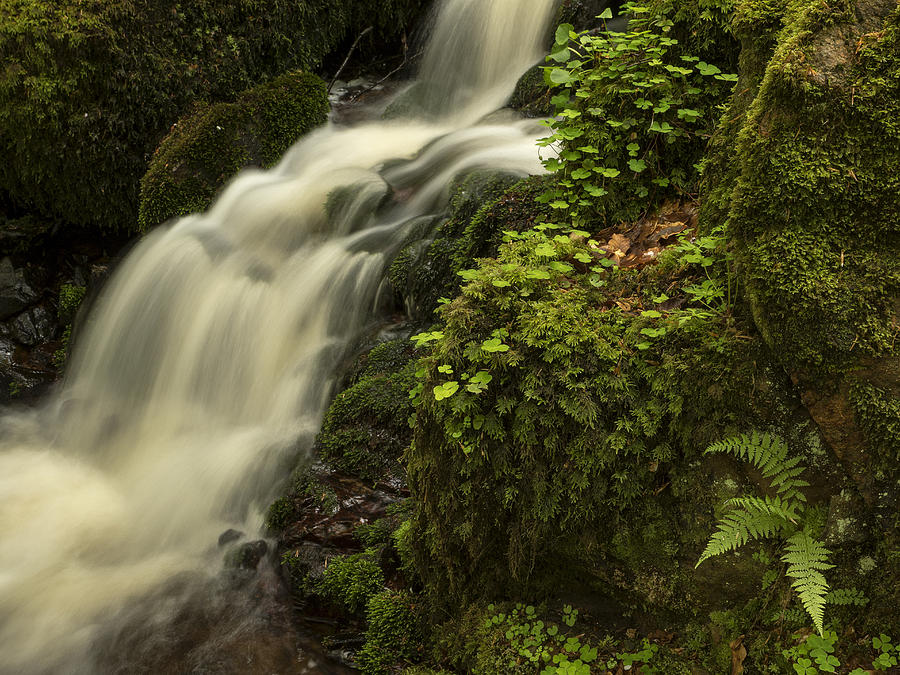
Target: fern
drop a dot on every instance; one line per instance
(807, 559)
(769, 454)
(752, 518)
(846, 596)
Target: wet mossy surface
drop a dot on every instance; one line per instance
(366, 428)
(210, 146)
(814, 210)
(579, 459)
(483, 204)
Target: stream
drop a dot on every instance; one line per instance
(206, 365)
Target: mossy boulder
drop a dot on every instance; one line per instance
(210, 146)
(483, 203)
(88, 89)
(366, 428)
(542, 478)
(803, 170)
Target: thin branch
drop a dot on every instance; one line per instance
(385, 78)
(349, 54)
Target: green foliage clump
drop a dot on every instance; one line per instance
(482, 204)
(89, 88)
(207, 148)
(70, 299)
(557, 396)
(365, 430)
(280, 513)
(393, 632)
(633, 112)
(816, 654)
(526, 640)
(351, 581)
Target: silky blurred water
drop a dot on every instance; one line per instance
(207, 362)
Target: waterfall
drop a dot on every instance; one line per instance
(207, 362)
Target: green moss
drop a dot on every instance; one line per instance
(366, 428)
(393, 633)
(878, 415)
(280, 514)
(578, 425)
(351, 581)
(70, 299)
(532, 95)
(88, 89)
(813, 208)
(483, 204)
(207, 148)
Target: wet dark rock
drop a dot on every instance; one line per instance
(209, 624)
(229, 536)
(342, 647)
(358, 504)
(15, 292)
(309, 559)
(33, 327)
(247, 556)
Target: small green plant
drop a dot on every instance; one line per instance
(632, 113)
(351, 581)
(888, 652)
(548, 646)
(815, 654)
(754, 518)
(392, 634)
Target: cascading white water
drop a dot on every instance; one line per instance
(208, 359)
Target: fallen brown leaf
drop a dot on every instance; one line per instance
(618, 245)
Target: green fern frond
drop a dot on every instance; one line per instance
(807, 559)
(753, 519)
(772, 506)
(769, 454)
(847, 596)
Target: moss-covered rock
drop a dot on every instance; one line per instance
(568, 456)
(208, 147)
(88, 89)
(815, 206)
(366, 428)
(802, 170)
(483, 203)
(532, 95)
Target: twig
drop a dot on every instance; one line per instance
(349, 54)
(383, 79)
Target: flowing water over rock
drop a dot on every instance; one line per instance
(206, 365)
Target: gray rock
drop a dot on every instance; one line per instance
(33, 327)
(15, 293)
(6, 353)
